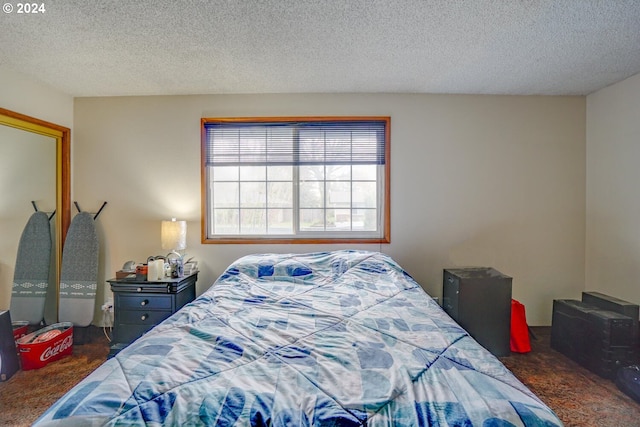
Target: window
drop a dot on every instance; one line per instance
(295, 180)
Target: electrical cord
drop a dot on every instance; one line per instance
(107, 320)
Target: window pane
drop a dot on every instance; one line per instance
(280, 173)
(369, 218)
(358, 219)
(280, 221)
(339, 194)
(312, 194)
(365, 172)
(253, 221)
(225, 195)
(364, 194)
(338, 172)
(312, 219)
(311, 173)
(252, 173)
(225, 173)
(280, 194)
(253, 194)
(226, 221)
(339, 219)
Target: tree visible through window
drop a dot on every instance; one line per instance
(311, 180)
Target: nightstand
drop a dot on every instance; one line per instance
(138, 306)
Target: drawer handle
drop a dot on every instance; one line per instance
(144, 302)
(144, 317)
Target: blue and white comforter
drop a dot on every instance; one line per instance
(343, 338)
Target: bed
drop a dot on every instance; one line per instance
(342, 338)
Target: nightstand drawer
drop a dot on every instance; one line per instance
(142, 317)
(144, 302)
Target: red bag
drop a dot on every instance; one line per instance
(519, 330)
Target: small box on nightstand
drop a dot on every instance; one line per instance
(124, 274)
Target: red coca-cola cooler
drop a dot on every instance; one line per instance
(46, 345)
(20, 328)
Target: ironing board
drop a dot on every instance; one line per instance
(31, 275)
(79, 272)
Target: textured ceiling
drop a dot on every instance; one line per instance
(109, 47)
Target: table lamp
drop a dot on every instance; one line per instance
(174, 235)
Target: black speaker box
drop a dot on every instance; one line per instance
(600, 340)
(9, 363)
(479, 299)
(610, 303)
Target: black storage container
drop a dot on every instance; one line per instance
(610, 303)
(479, 299)
(9, 361)
(600, 340)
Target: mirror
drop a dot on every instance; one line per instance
(34, 166)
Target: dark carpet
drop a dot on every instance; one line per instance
(27, 394)
(579, 397)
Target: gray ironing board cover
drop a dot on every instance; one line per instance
(79, 273)
(31, 275)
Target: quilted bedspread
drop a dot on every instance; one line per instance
(344, 338)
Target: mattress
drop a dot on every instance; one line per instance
(342, 338)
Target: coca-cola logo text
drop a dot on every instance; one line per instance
(56, 348)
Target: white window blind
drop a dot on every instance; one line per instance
(296, 143)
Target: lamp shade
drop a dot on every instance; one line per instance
(174, 235)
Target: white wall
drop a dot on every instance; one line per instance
(475, 180)
(613, 196)
(24, 95)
